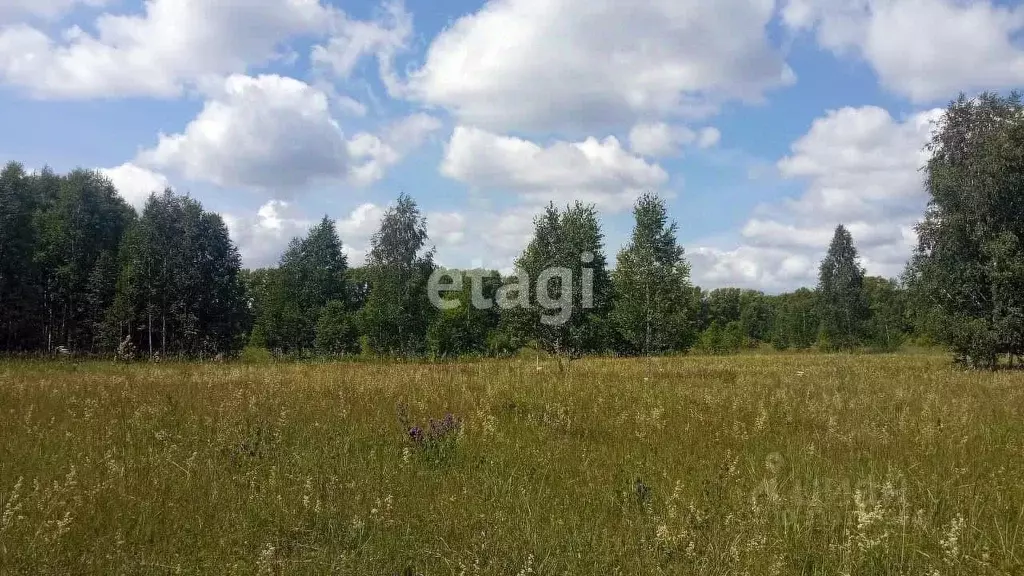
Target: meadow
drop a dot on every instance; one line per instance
(751, 464)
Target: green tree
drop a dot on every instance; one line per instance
(653, 311)
(886, 329)
(336, 332)
(757, 312)
(966, 278)
(397, 312)
(842, 308)
(85, 220)
(570, 296)
(796, 323)
(721, 305)
(20, 288)
(311, 274)
(179, 289)
(465, 328)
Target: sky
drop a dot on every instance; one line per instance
(763, 124)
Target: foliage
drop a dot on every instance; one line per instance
(569, 241)
(397, 313)
(179, 289)
(886, 327)
(336, 330)
(842, 307)
(464, 328)
(966, 277)
(653, 310)
(290, 301)
(795, 323)
(719, 339)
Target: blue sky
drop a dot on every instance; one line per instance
(764, 124)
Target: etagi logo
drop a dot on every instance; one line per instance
(516, 294)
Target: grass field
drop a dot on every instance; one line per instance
(758, 464)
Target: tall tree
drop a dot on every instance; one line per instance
(312, 274)
(20, 290)
(179, 290)
(842, 308)
(966, 277)
(397, 312)
(570, 296)
(653, 309)
(85, 221)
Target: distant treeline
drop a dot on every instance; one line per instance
(81, 271)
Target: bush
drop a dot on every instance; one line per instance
(256, 355)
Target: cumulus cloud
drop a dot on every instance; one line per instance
(375, 154)
(261, 132)
(11, 10)
(172, 44)
(926, 50)
(581, 64)
(657, 139)
(861, 167)
(262, 237)
(352, 40)
(478, 238)
(598, 171)
(469, 237)
(136, 183)
(277, 134)
(769, 269)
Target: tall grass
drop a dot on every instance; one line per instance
(757, 464)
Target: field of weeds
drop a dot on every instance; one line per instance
(773, 464)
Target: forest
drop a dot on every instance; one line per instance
(82, 272)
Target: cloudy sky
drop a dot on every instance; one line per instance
(764, 124)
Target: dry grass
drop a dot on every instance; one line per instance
(773, 464)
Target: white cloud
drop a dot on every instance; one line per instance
(136, 183)
(768, 269)
(708, 137)
(378, 153)
(274, 133)
(495, 238)
(172, 44)
(263, 237)
(862, 170)
(354, 39)
(267, 132)
(479, 238)
(598, 171)
(586, 64)
(656, 139)
(446, 228)
(11, 10)
(473, 237)
(927, 50)
(861, 163)
(356, 228)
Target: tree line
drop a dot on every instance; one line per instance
(81, 270)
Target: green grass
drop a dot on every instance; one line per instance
(755, 464)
